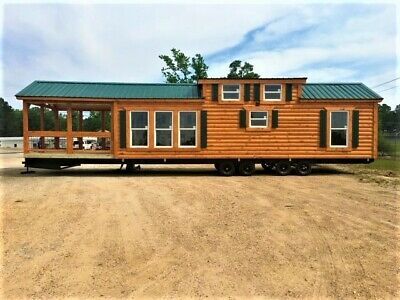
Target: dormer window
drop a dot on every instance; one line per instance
(273, 92)
(231, 92)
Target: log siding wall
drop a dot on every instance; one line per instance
(297, 135)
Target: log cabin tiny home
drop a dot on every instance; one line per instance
(284, 124)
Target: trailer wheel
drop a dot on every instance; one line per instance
(130, 168)
(267, 166)
(283, 168)
(216, 165)
(226, 168)
(246, 168)
(303, 168)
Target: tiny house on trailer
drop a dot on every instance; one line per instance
(284, 124)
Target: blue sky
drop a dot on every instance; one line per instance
(121, 42)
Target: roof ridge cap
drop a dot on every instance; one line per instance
(113, 83)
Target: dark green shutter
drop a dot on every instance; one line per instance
(322, 128)
(214, 92)
(122, 129)
(275, 117)
(257, 93)
(200, 90)
(356, 128)
(242, 118)
(247, 92)
(203, 132)
(288, 92)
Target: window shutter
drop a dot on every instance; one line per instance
(247, 92)
(203, 133)
(122, 129)
(288, 92)
(322, 128)
(242, 118)
(214, 92)
(200, 90)
(257, 93)
(275, 117)
(356, 128)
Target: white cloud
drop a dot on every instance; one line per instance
(122, 42)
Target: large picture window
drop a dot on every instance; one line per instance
(258, 119)
(272, 92)
(139, 129)
(339, 130)
(163, 129)
(231, 92)
(187, 129)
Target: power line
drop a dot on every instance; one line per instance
(388, 89)
(386, 82)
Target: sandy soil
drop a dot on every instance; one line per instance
(186, 232)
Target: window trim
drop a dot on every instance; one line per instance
(165, 129)
(179, 129)
(231, 100)
(265, 91)
(146, 128)
(346, 129)
(267, 119)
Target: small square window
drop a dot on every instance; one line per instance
(258, 119)
(231, 92)
(272, 92)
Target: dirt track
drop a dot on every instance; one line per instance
(173, 232)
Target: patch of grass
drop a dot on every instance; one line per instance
(385, 165)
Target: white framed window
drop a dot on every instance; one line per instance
(139, 129)
(231, 92)
(163, 129)
(273, 92)
(338, 136)
(187, 129)
(258, 119)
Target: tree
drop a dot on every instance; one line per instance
(183, 69)
(10, 120)
(237, 70)
(388, 119)
(199, 67)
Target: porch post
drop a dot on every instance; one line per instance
(80, 128)
(25, 119)
(56, 128)
(103, 128)
(70, 140)
(114, 128)
(42, 140)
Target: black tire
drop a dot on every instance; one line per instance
(303, 168)
(246, 168)
(283, 168)
(130, 167)
(267, 166)
(226, 168)
(216, 165)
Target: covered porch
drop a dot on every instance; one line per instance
(61, 128)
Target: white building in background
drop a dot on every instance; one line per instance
(16, 142)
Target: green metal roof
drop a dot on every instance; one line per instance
(110, 90)
(321, 91)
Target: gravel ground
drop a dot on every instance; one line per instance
(178, 232)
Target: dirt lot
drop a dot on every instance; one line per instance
(186, 232)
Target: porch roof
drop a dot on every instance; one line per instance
(110, 90)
